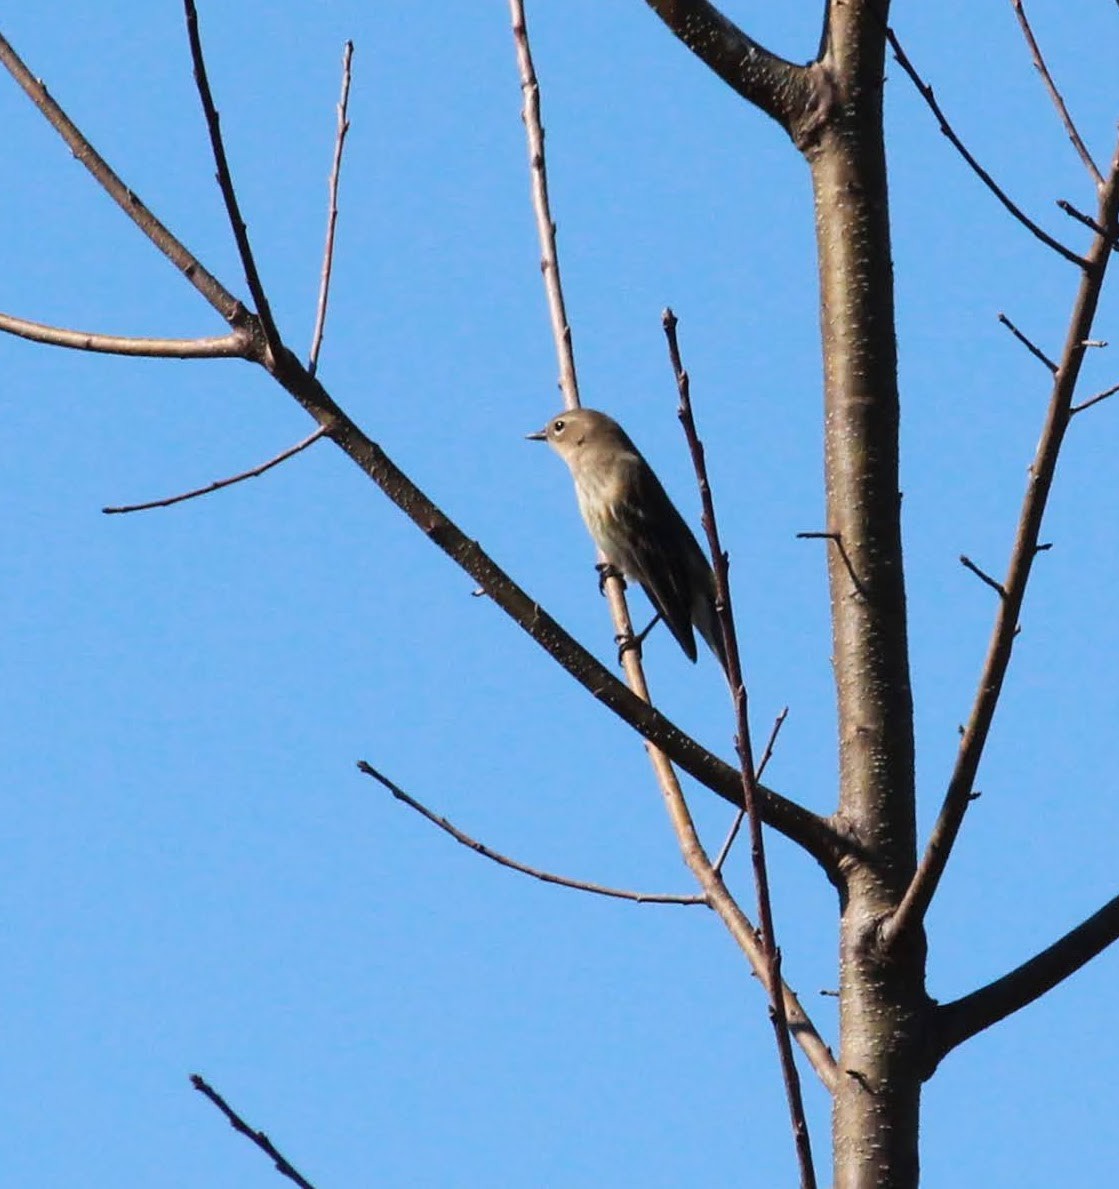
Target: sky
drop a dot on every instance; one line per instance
(196, 878)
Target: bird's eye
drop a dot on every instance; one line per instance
(558, 425)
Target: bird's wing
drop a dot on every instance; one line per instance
(661, 544)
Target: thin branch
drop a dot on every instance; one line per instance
(218, 484)
(186, 262)
(1054, 94)
(982, 575)
(926, 93)
(1030, 346)
(541, 206)
(258, 1137)
(919, 894)
(958, 1021)
(225, 183)
(332, 211)
(504, 861)
(725, 611)
(1088, 222)
(736, 825)
(237, 345)
(837, 541)
(1095, 400)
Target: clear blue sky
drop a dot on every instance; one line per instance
(195, 877)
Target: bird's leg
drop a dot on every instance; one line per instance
(606, 571)
(625, 643)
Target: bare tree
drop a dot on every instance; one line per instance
(892, 1035)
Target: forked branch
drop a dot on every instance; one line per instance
(918, 896)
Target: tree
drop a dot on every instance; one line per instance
(892, 1034)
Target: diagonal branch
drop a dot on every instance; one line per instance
(218, 484)
(186, 262)
(237, 345)
(771, 954)
(793, 95)
(332, 210)
(959, 1021)
(258, 1137)
(1054, 94)
(225, 183)
(501, 860)
(926, 93)
(914, 904)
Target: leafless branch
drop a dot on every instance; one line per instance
(332, 211)
(736, 825)
(725, 611)
(225, 183)
(793, 95)
(504, 861)
(1095, 400)
(258, 1137)
(837, 540)
(1030, 346)
(982, 575)
(1054, 94)
(918, 895)
(227, 346)
(218, 484)
(1088, 222)
(186, 262)
(958, 1021)
(929, 97)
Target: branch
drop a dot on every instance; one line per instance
(982, 575)
(1054, 94)
(767, 755)
(926, 93)
(817, 835)
(725, 611)
(504, 861)
(1095, 400)
(186, 262)
(1030, 346)
(237, 345)
(258, 1137)
(225, 183)
(218, 484)
(332, 211)
(919, 894)
(795, 96)
(959, 1021)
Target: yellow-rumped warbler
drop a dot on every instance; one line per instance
(635, 524)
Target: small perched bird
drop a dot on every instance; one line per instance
(635, 524)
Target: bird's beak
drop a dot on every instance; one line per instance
(541, 435)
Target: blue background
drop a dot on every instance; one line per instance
(194, 875)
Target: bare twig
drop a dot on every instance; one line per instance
(982, 575)
(545, 224)
(1095, 400)
(1088, 222)
(1030, 346)
(332, 211)
(225, 183)
(837, 540)
(218, 484)
(956, 1022)
(227, 346)
(1054, 94)
(919, 894)
(725, 611)
(486, 852)
(185, 261)
(767, 755)
(929, 97)
(258, 1137)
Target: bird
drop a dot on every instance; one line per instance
(636, 526)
